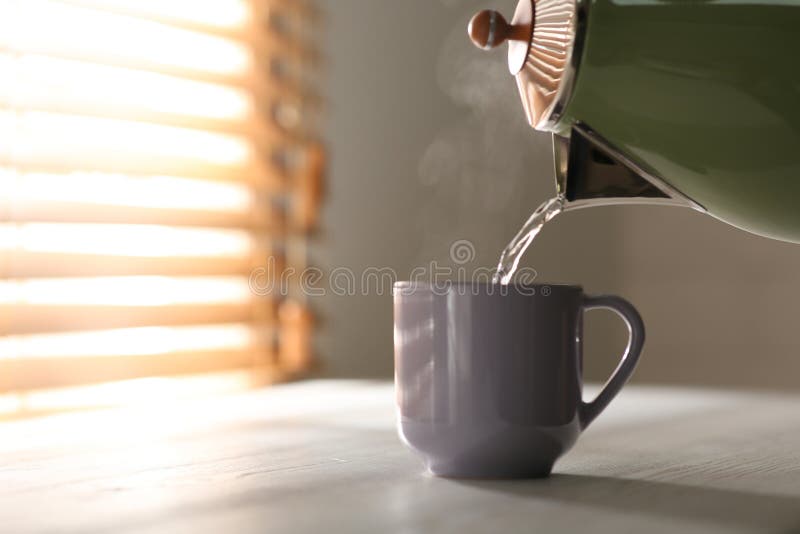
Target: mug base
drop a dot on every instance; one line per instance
(457, 471)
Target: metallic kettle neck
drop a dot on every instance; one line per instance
(592, 172)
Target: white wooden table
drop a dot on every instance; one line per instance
(323, 457)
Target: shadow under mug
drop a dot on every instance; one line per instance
(489, 378)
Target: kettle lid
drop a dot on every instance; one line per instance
(541, 39)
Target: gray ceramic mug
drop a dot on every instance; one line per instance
(488, 378)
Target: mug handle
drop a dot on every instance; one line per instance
(589, 410)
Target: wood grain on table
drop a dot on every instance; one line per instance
(323, 456)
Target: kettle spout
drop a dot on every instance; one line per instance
(591, 172)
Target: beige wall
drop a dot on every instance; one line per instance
(430, 146)
(721, 304)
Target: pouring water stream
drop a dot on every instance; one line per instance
(512, 254)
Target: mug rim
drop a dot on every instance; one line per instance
(421, 285)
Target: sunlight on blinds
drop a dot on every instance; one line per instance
(47, 81)
(105, 189)
(217, 13)
(124, 240)
(153, 153)
(128, 342)
(55, 27)
(32, 136)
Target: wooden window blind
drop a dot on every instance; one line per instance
(153, 153)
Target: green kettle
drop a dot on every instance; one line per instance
(686, 102)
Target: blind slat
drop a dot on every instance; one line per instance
(39, 265)
(52, 27)
(47, 82)
(35, 135)
(42, 361)
(44, 373)
(28, 319)
(126, 291)
(222, 15)
(50, 304)
(119, 145)
(265, 221)
(127, 240)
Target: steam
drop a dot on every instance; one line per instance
(476, 168)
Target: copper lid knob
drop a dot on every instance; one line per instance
(489, 29)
